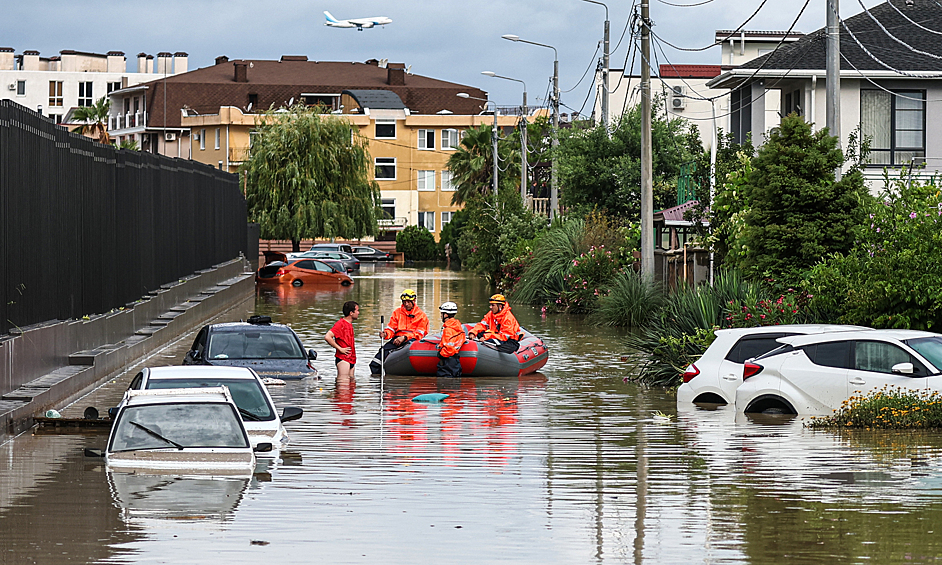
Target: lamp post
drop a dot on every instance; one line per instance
(493, 130)
(523, 136)
(605, 116)
(554, 186)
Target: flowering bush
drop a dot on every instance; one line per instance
(789, 308)
(888, 407)
(589, 278)
(511, 271)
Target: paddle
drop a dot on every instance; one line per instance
(382, 360)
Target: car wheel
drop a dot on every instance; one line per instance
(297, 282)
(345, 283)
(770, 404)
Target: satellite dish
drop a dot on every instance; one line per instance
(291, 102)
(409, 70)
(249, 107)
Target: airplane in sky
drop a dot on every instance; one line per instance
(358, 23)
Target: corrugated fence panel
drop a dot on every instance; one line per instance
(85, 228)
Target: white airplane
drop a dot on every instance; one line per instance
(358, 23)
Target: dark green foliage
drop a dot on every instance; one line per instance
(630, 301)
(308, 176)
(553, 253)
(417, 244)
(451, 233)
(598, 171)
(797, 213)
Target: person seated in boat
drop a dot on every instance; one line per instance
(452, 339)
(499, 326)
(407, 324)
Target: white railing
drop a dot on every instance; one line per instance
(392, 222)
(127, 120)
(539, 206)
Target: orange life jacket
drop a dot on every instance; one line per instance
(452, 337)
(502, 325)
(413, 325)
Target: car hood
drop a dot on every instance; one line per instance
(273, 367)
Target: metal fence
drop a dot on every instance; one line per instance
(86, 228)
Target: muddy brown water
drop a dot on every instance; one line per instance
(570, 465)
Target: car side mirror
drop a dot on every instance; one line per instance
(904, 369)
(89, 452)
(113, 413)
(311, 354)
(263, 448)
(193, 354)
(291, 413)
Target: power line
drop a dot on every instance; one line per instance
(586, 71)
(907, 18)
(720, 42)
(877, 59)
(685, 5)
(893, 37)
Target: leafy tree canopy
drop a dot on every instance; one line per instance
(94, 120)
(308, 176)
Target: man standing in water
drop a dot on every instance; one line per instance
(340, 337)
(407, 324)
(452, 339)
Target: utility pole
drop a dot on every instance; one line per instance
(554, 181)
(494, 138)
(833, 106)
(605, 116)
(523, 149)
(647, 178)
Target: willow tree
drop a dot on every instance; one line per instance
(308, 175)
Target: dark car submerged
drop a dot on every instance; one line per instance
(272, 350)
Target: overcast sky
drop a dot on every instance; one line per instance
(452, 40)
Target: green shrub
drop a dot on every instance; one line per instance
(789, 308)
(887, 408)
(417, 244)
(554, 250)
(590, 277)
(630, 301)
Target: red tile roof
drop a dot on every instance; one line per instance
(690, 71)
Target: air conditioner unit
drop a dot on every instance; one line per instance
(170, 136)
(196, 137)
(678, 97)
(12, 86)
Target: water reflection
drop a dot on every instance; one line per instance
(141, 496)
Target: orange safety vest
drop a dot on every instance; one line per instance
(452, 338)
(413, 325)
(503, 325)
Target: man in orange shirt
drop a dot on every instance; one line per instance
(449, 365)
(499, 326)
(407, 324)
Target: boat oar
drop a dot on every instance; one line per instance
(382, 360)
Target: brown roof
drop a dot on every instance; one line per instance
(689, 71)
(274, 83)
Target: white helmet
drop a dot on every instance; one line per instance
(448, 308)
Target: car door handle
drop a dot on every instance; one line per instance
(731, 377)
(857, 381)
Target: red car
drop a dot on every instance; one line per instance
(298, 272)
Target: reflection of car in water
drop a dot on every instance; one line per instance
(298, 272)
(141, 495)
(349, 262)
(267, 348)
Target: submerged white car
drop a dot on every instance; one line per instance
(715, 377)
(180, 430)
(250, 394)
(815, 374)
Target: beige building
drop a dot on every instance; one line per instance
(409, 152)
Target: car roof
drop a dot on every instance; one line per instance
(235, 326)
(178, 395)
(791, 328)
(200, 372)
(801, 340)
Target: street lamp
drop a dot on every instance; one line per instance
(554, 187)
(523, 136)
(493, 131)
(605, 117)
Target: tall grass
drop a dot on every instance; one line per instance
(630, 301)
(553, 253)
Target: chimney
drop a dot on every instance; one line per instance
(30, 60)
(116, 62)
(7, 59)
(222, 59)
(142, 63)
(164, 63)
(68, 61)
(149, 65)
(241, 71)
(179, 62)
(396, 74)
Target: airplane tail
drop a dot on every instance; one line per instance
(330, 18)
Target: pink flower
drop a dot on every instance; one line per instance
(912, 215)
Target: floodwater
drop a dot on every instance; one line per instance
(566, 466)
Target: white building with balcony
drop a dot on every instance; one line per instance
(56, 85)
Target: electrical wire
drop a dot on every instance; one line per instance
(877, 59)
(893, 37)
(720, 42)
(907, 18)
(685, 5)
(586, 73)
(883, 88)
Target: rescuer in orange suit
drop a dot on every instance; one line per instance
(407, 324)
(499, 326)
(452, 339)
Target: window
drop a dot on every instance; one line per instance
(426, 139)
(385, 168)
(450, 139)
(217, 138)
(427, 180)
(427, 220)
(385, 129)
(896, 125)
(389, 208)
(202, 139)
(21, 88)
(834, 354)
(750, 347)
(792, 103)
(55, 93)
(85, 97)
(112, 86)
(56, 118)
(328, 101)
(879, 357)
(446, 217)
(446, 181)
(928, 347)
(740, 114)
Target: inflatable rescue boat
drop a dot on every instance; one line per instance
(477, 359)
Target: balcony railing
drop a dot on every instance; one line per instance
(392, 223)
(539, 206)
(127, 120)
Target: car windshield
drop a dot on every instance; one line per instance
(928, 347)
(189, 424)
(247, 394)
(254, 344)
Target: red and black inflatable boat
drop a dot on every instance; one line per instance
(477, 359)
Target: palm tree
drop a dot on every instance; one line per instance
(471, 165)
(93, 119)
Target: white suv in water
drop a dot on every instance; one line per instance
(715, 377)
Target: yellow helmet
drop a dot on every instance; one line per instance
(497, 299)
(407, 294)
